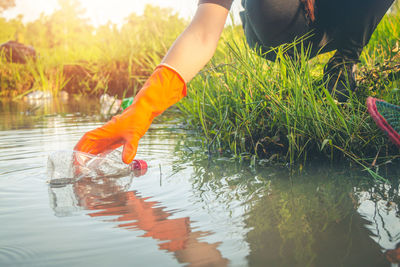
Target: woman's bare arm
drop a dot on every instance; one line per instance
(197, 44)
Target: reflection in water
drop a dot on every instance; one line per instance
(393, 255)
(34, 113)
(106, 197)
(319, 218)
(311, 223)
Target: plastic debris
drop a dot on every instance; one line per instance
(75, 176)
(126, 102)
(35, 95)
(66, 167)
(109, 105)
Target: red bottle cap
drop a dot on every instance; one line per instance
(139, 167)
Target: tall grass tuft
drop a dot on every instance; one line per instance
(251, 107)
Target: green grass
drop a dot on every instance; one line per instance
(249, 107)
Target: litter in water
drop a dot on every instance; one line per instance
(74, 176)
(66, 167)
(109, 105)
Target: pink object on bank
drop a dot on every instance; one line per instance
(386, 117)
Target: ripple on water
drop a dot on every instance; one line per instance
(14, 254)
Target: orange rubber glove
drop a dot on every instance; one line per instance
(164, 88)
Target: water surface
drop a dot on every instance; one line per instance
(186, 210)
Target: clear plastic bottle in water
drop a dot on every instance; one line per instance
(75, 176)
(69, 166)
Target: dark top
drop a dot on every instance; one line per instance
(225, 3)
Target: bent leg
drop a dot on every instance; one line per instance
(351, 23)
(349, 26)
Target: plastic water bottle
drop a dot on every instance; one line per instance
(66, 167)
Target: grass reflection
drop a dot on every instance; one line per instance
(311, 218)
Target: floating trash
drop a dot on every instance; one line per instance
(75, 177)
(65, 167)
(109, 105)
(126, 102)
(35, 95)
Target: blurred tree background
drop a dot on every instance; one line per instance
(4, 4)
(80, 58)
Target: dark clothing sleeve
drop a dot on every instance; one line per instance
(225, 3)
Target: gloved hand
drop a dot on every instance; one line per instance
(164, 88)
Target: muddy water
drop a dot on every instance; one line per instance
(186, 210)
